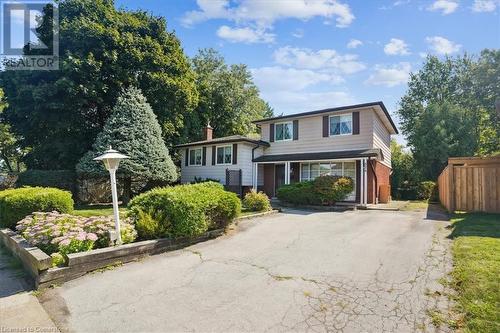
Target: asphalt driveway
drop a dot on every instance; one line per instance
(362, 271)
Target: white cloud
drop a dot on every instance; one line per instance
(422, 55)
(354, 43)
(326, 60)
(298, 33)
(400, 3)
(441, 45)
(261, 15)
(390, 76)
(396, 47)
(481, 6)
(293, 102)
(277, 78)
(444, 6)
(267, 12)
(244, 35)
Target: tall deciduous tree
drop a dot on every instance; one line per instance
(486, 81)
(404, 173)
(10, 153)
(449, 110)
(102, 50)
(229, 99)
(133, 130)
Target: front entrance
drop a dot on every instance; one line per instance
(279, 174)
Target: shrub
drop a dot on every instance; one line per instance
(322, 190)
(184, 210)
(298, 193)
(427, 190)
(331, 189)
(204, 180)
(54, 232)
(62, 179)
(15, 204)
(256, 201)
(57, 259)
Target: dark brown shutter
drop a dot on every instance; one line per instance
(204, 156)
(271, 132)
(355, 122)
(325, 126)
(213, 154)
(235, 153)
(187, 157)
(295, 129)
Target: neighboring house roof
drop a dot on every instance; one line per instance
(225, 139)
(338, 109)
(375, 152)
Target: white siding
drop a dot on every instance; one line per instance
(382, 139)
(311, 136)
(244, 159)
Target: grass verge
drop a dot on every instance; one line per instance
(476, 272)
(417, 205)
(97, 210)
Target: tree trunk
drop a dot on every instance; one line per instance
(127, 190)
(7, 163)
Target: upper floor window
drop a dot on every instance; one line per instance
(341, 125)
(283, 131)
(195, 156)
(224, 154)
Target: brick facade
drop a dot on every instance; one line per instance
(382, 172)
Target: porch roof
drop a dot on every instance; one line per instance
(327, 155)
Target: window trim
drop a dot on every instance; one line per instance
(217, 148)
(276, 132)
(330, 124)
(189, 157)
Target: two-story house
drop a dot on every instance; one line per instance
(351, 141)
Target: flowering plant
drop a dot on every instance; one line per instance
(54, 232)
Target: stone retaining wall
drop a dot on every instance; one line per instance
(39, 264)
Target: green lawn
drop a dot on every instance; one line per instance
(97, 210)
(416, 205)
(476, 272)
(246, 212)
(105, 210)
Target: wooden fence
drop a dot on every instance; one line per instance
(471, 184)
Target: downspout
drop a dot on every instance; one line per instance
(376, 180)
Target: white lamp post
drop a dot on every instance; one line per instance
(111, 159)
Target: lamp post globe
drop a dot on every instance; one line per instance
(111, 159)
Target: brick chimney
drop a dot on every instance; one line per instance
(208, 132)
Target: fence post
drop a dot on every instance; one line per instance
(451, 191)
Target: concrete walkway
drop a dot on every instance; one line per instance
(356, 271)
(20, 311)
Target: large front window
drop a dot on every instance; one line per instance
(309, 171)
(341, 125)
(283, 131)
(224, 155)
(195, 156)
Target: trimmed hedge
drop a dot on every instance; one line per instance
(256, 201)
(324, 190)
(17, 203)
(184, 210)
(331, 189)
(63, 179)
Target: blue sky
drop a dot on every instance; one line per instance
(307, 55)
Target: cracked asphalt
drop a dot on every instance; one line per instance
(356, 271)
